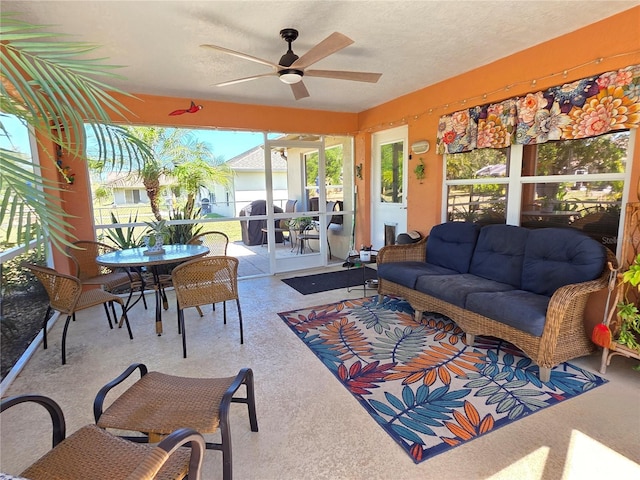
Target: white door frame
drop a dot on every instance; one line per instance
(387, 213)
(297, 262)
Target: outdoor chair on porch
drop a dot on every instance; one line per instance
(92, 453)
(67, 297)
(158, 403)
(282, 226)
(203, 281)
(90, 273)
(217, 243)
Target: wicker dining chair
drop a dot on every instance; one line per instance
(67, 297)
(93, 453)
(91, 273)
(203, 281)
(157, 403)
(217, 243)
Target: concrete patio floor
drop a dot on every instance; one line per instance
(311, 427)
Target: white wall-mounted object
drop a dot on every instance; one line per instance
(420, 147)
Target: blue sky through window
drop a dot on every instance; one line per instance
(224, 144)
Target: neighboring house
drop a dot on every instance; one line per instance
(129, 190)
(249, 182)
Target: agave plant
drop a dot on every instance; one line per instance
(51, 86)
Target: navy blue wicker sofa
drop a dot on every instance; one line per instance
(528, 287)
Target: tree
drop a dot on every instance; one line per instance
(176, 153)
(51, 86)
(196, 173)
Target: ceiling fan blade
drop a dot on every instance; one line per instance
(345, 75)
(245, 79)
(242, 55)
(334, 42)
(299, 90)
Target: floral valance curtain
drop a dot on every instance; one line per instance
(585, 108)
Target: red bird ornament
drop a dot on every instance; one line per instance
(192, 109)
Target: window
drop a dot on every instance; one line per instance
(391, 173)
(478, 185)
(571, 183)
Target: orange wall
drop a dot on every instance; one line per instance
(421, 110)
(611, 39)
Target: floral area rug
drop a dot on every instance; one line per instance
(424, 386)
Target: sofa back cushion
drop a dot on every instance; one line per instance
(450, 245)
(499, 253)
(555, 257)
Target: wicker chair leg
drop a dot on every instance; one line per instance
(240, 317)
(44, 327)
(244, 377)
(545, 374)
(470, 339)
(64, 338)
(224, 308)
(115, 315)
(184, 334)
(250, 399)
(199, 311)
(417, 316)
(108, 314)
(178, 317)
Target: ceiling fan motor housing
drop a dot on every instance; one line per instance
(289, 75)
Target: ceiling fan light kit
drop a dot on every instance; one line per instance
(290, 76)
(291, 68)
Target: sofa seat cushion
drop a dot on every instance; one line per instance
(406, 273)
(450, 245)
(455, 288)
(499, 254)
(555, 257)
(519, 309)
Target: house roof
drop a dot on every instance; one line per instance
(129, 180)
(254, 160)
(413, 43)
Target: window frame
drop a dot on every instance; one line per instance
(515, 182)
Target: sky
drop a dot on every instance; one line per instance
(225, 144)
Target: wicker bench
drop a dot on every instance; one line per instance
(528, 287)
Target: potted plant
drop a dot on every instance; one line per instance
(419, 170)
(621, 336)
(154, 237)
(629, 335)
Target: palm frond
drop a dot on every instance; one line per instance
(49, 83)
(27, 210)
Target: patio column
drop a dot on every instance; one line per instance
(75, 197)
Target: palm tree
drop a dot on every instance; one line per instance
(176, 153)
(194, 174)
(52, 87)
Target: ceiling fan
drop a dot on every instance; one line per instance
(292, 68)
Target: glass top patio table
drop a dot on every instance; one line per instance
(135, 257)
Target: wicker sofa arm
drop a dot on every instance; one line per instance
(411, 252)
(567, 303)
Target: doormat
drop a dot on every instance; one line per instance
(421, 382)
(323, 282)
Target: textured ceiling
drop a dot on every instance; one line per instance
(412, 43)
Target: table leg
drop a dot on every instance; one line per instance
(159, 299)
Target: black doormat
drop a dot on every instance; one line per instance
(323, 282)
